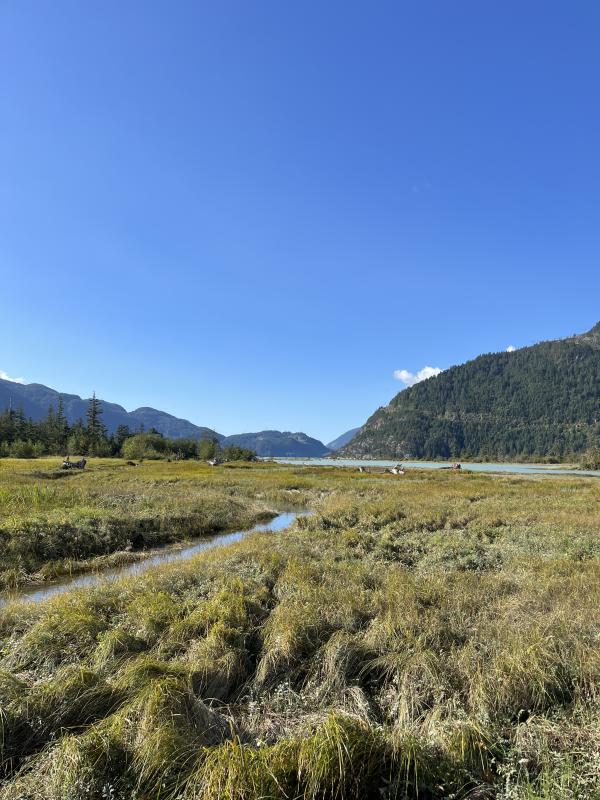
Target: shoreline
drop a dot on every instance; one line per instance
(498, 467)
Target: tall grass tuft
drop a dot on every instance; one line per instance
(164, 728)
(344, 758)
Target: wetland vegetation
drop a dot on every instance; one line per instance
(54, 523)
(430, 636)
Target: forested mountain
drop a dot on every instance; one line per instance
(540, 401)
(34, 400)
(278, 443)
(343, 439)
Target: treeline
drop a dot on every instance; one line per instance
(21, 437)
(155, 445)
(427, 437)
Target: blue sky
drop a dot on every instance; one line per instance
(253, 214)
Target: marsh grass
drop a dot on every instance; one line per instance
(51, 528)
(430, 637)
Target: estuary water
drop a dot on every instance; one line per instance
(166, 555)
(517, 469)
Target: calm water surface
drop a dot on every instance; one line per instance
(524, 469)
(167, 555)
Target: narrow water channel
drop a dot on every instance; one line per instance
(167, 555)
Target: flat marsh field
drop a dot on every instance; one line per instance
(435, 635)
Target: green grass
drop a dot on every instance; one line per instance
(111, 512)
(430, 636)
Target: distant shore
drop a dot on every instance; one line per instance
(518, 468)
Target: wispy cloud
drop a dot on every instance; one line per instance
(6, 377)
(511, 348)
(410, 378)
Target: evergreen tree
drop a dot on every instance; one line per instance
(97, 442)
(78, 441)
(20, 425)
(62, 426)
(45, 434)
(121, 434)
(7, 426)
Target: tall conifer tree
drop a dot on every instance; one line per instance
(96, 431)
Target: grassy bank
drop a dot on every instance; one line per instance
(54, 522)
(431, 636)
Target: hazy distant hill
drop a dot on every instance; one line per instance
(343, 439)
(35, 400)
(278, 443)
(542, 400)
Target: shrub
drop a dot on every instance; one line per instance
(21, 449)
(591, 459)
(143, 445)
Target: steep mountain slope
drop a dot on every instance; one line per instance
(343, 439)
(278, 443)
(541, 401)
(35, 400)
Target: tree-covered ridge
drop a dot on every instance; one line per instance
(541, 401)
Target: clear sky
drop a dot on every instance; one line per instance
(253, 214)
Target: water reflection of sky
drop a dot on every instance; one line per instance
(166, 556)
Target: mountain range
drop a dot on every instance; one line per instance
(538, 401)
(35, 400)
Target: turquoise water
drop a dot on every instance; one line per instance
(518, 469)
(166, 555)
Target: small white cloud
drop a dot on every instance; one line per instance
(410, 378)
(6, 377)
(511, 348)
